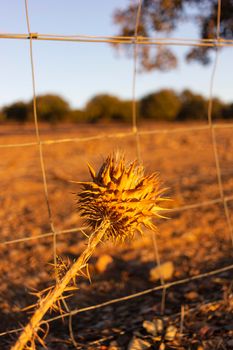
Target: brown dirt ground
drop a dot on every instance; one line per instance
(195, 240)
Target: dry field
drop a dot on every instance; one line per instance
(195, 240)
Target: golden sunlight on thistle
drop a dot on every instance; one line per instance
(119, 201)
(121, 196)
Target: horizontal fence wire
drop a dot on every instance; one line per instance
(83, 228)
(121, 39)
(130, 296)
(121, 135)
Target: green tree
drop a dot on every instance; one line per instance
(218, 108)
(161, 105)
(77, 115)
(50, 108)
(163, 17)
(125, 111)
(228, 111)
(193, 106)
(2, 116)
(104, 107)
(17, 111)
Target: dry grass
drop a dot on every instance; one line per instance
(195, 240)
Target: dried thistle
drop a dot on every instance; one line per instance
(121, 195)
(117, 203)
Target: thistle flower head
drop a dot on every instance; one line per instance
(121, 195)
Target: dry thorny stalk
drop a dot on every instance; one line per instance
(118, 201)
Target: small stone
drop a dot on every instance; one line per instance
(138, 344)
(114, 346)
(162, 346)
(150, 327)
(165, 271)
(159, 325)
(170, 333)
(154, 328)
(103, 262)
(191, 295)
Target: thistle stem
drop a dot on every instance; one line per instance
(50, 299)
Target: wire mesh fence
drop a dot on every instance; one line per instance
(135, 132)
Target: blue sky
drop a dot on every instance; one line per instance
(78, 71)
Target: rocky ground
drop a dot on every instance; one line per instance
(197, 314)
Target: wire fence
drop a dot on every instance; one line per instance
(135, 40)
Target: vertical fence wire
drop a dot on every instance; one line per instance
(161, 278)
(212, 129)
(138, 146)
(134, 101)
(42, 163)
(66, 306)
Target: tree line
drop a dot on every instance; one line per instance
(163, 105)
